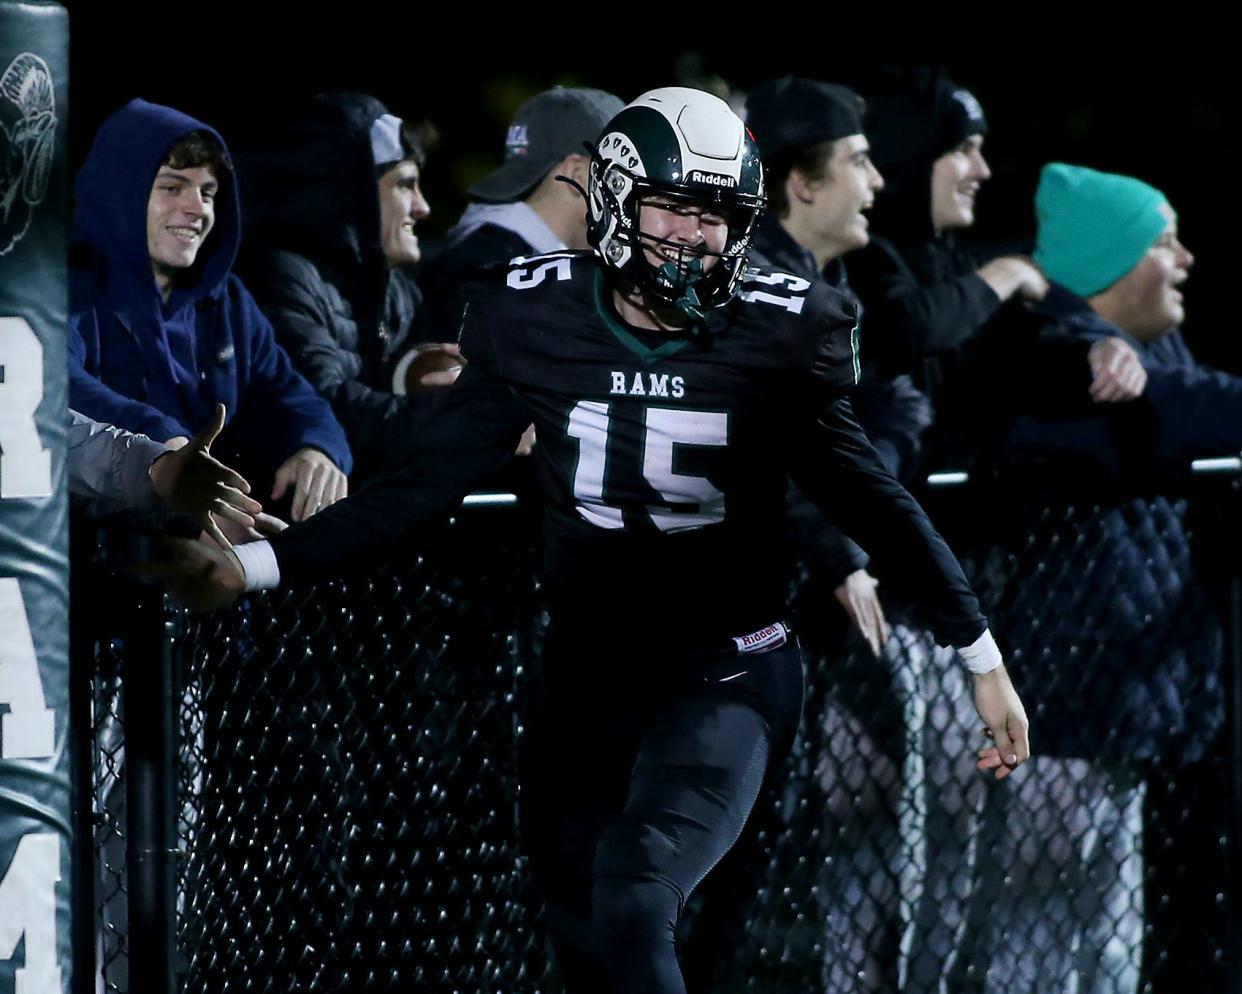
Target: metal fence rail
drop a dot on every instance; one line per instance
(332, 805)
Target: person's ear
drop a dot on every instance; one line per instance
(799, 188)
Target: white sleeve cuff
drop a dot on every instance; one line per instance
(982, 655)
(259, 564)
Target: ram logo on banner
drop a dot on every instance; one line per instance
(28, 137)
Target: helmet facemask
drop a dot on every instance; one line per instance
(689, 278)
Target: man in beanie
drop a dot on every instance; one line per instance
(521, 208)
(929, 297)
(1133, 633)
(1109, 247)
(820, 181)
(334, 204)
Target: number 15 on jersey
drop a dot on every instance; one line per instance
(693, 501)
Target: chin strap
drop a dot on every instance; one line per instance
(688, 303)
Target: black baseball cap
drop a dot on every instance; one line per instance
(548, 127)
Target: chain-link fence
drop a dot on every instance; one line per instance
(342, 794)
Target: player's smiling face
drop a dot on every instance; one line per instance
(681, 227)
(180, 213)
(955, 181)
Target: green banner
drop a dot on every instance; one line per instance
(34, 600)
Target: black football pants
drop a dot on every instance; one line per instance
(636, 781)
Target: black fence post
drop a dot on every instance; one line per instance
(1233, 892)
(82, 666)
(150, 746)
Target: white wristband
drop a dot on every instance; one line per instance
(982, 655)
(258, 562)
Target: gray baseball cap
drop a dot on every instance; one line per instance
(548, 127)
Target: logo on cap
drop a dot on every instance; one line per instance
(517, 141)
(969, 104)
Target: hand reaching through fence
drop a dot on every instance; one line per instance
(858, 597)
(1006, 724)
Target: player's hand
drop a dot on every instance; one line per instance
(191, 481)
(1005, 723)
(526, 444)
(436, 364)
(198, 574)
(857, 595)
(1117, 373)
(238, 534)
(316, 481)
(1015, 274)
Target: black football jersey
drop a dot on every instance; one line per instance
(663, 459)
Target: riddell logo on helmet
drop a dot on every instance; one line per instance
(713, 179)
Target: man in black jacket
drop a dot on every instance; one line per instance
(820, 181)
(333, 208)
(938, 312)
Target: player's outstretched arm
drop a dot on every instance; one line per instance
(849, 482)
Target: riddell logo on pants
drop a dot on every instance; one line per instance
(772, 637)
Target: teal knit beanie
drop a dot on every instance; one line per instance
(1093, 227)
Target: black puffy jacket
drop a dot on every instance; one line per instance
(313, 260)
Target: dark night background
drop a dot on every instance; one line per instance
(1138, 109)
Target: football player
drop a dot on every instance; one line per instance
(673, 391)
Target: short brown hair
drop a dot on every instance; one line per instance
(810, 160)
(198, 149)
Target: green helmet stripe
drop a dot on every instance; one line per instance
(650, 131)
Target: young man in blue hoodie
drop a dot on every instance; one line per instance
(160, 331)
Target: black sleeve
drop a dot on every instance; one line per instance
(906, 320)
(474, 433)
(896, 415)
(818, 543)
(835, 465)
(1021, 365)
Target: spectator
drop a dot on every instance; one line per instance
(332, 211)
(1117, 621)
(161, 331)
(521, 208)
(820, 182)
(1109, 247)
(928, 297)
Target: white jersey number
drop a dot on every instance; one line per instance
(697, 500)
(25, 465)
(524, 279)
(787, 281)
